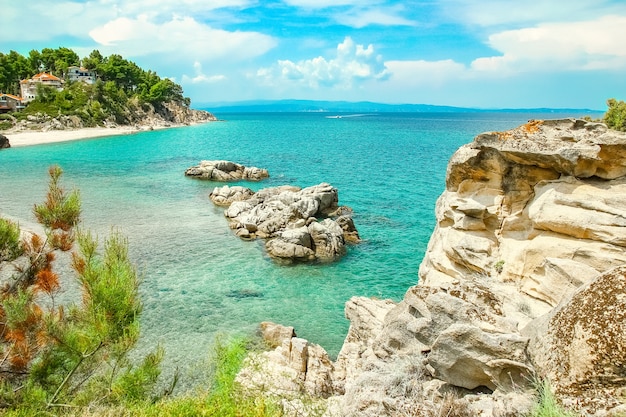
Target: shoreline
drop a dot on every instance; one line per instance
(40, 137)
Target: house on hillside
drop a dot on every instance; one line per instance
(28, 87)
(9, 102)
(84, 75)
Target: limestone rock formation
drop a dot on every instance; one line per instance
(4, 142)
(287, 217)
(293, 368)
(581, 345)
(524, 277)
(225, 171)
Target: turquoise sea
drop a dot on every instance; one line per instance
(198, 279)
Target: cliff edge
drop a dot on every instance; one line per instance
(523, 281)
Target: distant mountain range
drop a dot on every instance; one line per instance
(362, 106)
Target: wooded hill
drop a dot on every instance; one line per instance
(121, 88)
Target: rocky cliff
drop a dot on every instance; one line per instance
(522, 282)
(142, 116)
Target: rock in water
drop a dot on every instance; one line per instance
(4, 142)
(226, 171)
(287, 217)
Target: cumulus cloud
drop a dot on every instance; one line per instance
(180, 36)
(586, 45)
(200, 77)
(352, 64)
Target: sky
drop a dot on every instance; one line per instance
(469, 53)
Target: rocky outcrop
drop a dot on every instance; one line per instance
(524, 279)
(226, 171)
(581, 345)
(293, 368)
(143, 116)
(4, 142)
(287, 217)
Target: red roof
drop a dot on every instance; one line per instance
(43, 76)
(12, 96)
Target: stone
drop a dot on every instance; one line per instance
(580, 347)
(4, 142)
(225, 196)
(293, 368)
(226, 171)
(288, 218)
(275, 334)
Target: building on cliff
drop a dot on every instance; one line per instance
(28, 88)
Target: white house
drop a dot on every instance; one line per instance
(75, 73)
(28, 87)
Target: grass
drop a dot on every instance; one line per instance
(224, 397)
(548, 406)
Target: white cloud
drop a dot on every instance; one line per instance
(200, 77)
(506, 12)
(352, 64)
(424, 73)
(322, 4)
(593, 44)
(359, 18)
(180, 36)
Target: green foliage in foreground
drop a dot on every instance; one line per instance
(548, 406)
(223, 398)
(9, 240)
(615, 116)
(60, 357)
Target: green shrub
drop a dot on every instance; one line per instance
(615, 116)
(10, 247)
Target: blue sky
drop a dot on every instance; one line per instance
(473, 53)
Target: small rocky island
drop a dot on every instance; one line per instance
(288, 218)
(226, 171)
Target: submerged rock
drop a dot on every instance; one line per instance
(226, 171)
(287, 217)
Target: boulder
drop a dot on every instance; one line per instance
(226, 171)
(295, 367)
(580, 347)
(288, 218)
(225, 196)
(4, 142)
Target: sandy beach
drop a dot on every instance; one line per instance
(28, 138)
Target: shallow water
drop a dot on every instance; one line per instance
(199, 280)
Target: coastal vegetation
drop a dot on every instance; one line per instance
(55, 355)
(121, 90)
(615, 116)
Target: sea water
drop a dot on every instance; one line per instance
(198, 279)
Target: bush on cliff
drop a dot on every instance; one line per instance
(56, 357)
(615, 116)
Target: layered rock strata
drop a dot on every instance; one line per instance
(288, 218)
(226, 171)
(523, 280)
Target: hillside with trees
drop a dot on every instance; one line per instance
(123, 93)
